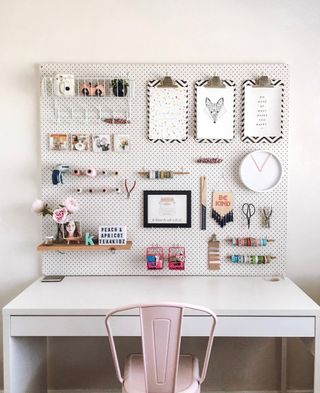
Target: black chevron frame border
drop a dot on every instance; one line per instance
(154, 83)
(259, 139)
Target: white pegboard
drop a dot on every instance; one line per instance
(100, 209)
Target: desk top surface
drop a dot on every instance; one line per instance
(224, 295)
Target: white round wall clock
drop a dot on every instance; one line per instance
(260, 171)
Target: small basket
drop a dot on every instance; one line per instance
(155, 258)
(176, 258)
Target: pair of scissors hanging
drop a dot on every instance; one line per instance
(128, 188)
(267, 214)
(248, 209)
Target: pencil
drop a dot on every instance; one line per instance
(203, 202)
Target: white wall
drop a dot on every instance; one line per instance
(196, 31)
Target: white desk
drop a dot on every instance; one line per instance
(246, 307)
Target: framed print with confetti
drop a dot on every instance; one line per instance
(167, 112)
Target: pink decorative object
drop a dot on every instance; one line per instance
(38, 206)
(71, 205)
(60, 215)
(161, 367)
(77, 172)
(209, 160)
(91, 172)
(155, 258)
(176, 258)
(111, 120)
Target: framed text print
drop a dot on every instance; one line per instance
(262, 112)
(167, 209)
(260, 171)
(215, 112)
(167, 112)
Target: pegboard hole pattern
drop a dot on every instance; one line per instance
(116, 209)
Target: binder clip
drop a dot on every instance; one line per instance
(167, 82)
(155, 258)
(176, 258)
(215, 82)
(263, 81)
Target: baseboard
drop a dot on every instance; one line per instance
(202, 390)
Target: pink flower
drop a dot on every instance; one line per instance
(38, 206)
(71, 205)
(60, 215)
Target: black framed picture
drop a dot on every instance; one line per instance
(167, 209)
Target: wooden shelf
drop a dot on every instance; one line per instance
(82, 247)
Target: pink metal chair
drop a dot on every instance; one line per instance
(161, 368)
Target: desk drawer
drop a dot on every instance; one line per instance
(228, 326)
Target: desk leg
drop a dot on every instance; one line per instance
(316, 383)
(25, 362)
(284, 364)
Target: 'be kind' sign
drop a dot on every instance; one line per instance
(112, 235)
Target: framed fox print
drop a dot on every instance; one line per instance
(215, 112)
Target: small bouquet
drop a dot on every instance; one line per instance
(60, 215)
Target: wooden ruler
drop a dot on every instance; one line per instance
(213, 254)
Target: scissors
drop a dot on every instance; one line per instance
(248, 209)
(267, 214)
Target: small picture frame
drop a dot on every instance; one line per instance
(101, 143)
(58, 142)
(71, 231)
(121, 143)
(167, 209)
(80, 142)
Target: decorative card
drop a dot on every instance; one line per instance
(222, 207)
(58, 142)
(101, 143)
(262, 112)
(168, 112)
(121, 143)
(80, 142)
(215, 112)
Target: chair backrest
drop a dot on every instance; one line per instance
(161, 337)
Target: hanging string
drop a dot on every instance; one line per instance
(248, 242)
(251, 259)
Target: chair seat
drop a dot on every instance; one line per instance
(187, 379)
